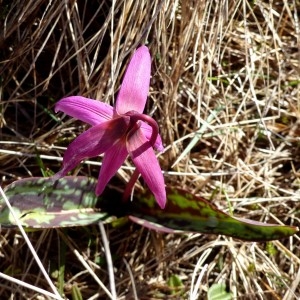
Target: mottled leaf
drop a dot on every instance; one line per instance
(47, 203)
(71, 201)
(186, 212)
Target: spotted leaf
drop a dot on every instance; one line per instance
(186, 212)
(71, 201)
(47, 203)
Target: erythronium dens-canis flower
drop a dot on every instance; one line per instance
(118, 131)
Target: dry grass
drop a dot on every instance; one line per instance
(225, 91)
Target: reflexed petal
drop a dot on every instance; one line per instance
(147, 130)
(93, 142)
(135, 85)
(147, 164)
(87, 110)
(112, 161)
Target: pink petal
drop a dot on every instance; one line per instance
(147, 130)
(87, 110)
(93, 142)
(112, 161)
(135, 85)
(147, 164)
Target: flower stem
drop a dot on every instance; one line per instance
(130, 185)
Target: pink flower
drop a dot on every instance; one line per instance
(118, 131)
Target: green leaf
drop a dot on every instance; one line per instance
(218, 292)
(187, 212)
(71, 201)
(176, 285)
(48, 203)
